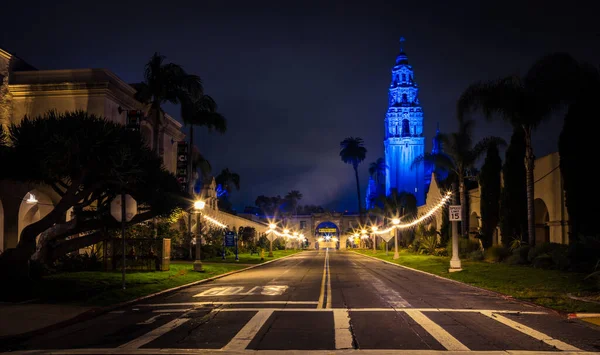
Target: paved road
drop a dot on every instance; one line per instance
(324, 302)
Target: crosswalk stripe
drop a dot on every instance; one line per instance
(442, 336)
(531, 332)
(243, 338)
(154, 334)
(341, 323)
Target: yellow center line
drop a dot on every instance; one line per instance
(328, 282)
(323, 283)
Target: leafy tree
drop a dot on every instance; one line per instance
(87, 161)
(164, 83)
(575, 145)
(489, 180)
(293, 197)
(353, 152)
(459, 157)
(513, 199)
(377, 169)
(525, 102)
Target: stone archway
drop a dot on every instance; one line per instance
(1, 227)
(327, 235)
(35, 206)
(542, 217)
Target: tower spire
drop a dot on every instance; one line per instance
(402, 40)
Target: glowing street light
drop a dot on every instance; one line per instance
(198, 207)
(31, 199)
(396, 222)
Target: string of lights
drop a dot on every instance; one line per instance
(214, 222)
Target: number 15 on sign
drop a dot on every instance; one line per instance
(454, 212)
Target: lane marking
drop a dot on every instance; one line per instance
(154, 334)
(531, 332)
(243, 338)
(171, 351)
(322, 294)
(224, 303)
(329, 296)
(441, 335)
(341, 323)
(152, 319)
(269, 290)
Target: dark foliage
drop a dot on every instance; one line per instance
(489, 180)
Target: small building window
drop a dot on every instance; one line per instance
(403, 77)
(405, 128)
(404, 98)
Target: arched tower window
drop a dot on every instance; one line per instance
(403, 77)
(404, 98)
(405, 128)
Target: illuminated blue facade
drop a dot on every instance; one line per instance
(404, 140)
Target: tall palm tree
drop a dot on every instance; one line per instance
(459, 157)
(201, 164)
(164, 82)
(227, 181)
(294, 197)
(353, 152)
(200, 111)
(377, 169)
(525, 102)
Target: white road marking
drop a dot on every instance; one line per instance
(329, 298)
(224, 303)
(175, 351)
(531, 332)
(247, 333)
(341, 323)
(154, 334)
(389, 295)
(442, 336)
(152, 319)
(322, 293)
(269, 290)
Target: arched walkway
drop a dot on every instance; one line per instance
(542, 217)
(327, 235)
(35, 206)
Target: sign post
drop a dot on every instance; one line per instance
(229, 241)
(123, 208)
(454, 212)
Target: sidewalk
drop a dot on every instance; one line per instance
(17, 319)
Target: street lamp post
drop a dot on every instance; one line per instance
(198, 207)
(272, 227)
(374, 228)
(396, 222)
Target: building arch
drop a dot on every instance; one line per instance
(542, 217)
(328, 234)
(35, 206)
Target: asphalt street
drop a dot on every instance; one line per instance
(324, 302)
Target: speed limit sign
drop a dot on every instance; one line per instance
(454, 212)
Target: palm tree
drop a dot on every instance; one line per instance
(227, 180)
(294, 197)
(200, 111)
(377, 169)
(353, 152)
(459, 156)
(201, 164)
(164, 83)
(525, 102)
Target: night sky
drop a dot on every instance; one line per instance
(294, 78)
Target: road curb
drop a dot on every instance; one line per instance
(560, 313)
(7, 341)
(583, 315)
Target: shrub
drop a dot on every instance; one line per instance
(540, 249)
(88, 261)
(560, 257)
(515, 259)
(465, 247)
(440, 252)
(496, 253)
(542, 261)
(476, 255)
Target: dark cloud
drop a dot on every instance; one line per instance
(296, 77)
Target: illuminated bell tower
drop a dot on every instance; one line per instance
(404, 140)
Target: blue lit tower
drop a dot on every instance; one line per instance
(404, 139)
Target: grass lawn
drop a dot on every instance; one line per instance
(98, 288)
(246, 258)
(545, 287)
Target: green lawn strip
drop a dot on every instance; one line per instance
(246, 258)
(97, 288)
(548, 288)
